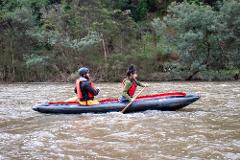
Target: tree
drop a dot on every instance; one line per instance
(194, 30)
(230, 32)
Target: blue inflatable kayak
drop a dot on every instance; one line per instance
(164, 102)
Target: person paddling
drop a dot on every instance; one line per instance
(130, 84)
(85, 89)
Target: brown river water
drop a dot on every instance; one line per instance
(207, 129)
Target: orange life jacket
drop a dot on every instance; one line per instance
(132, 89)
(79, 92)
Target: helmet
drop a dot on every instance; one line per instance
(83, 71)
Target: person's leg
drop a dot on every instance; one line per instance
(73, 99)
(123, 100)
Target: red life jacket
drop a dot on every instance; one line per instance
(79, 92)
(132, 89)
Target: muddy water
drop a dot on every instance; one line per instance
(207, 129)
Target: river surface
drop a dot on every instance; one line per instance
(207, 129)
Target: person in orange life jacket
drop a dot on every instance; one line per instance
(84, 89)
(130, 84)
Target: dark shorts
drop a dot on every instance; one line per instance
(123, 100)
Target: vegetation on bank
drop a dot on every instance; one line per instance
(48, 40)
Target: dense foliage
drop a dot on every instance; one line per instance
(203, 38)
(50, 39)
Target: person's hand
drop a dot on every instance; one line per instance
(98, 90)
(146, 85)
(131, 100)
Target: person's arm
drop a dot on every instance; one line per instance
(75, 90)
(127, 85)
(90, 89)
(140, 83)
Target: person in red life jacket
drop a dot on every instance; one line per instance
(84, 89)
(130, 84)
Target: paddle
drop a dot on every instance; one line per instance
(129, 104)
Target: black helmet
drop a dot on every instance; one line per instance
(83, 70)
(131, 70)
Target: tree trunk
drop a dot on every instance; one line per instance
(154, 39)
(192, 75)
(203, 63)
(13, 76)
(121, 44)
(104, 49)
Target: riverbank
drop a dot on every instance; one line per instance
(117, 76)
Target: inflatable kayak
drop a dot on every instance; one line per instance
(164, 102)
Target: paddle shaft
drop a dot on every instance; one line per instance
(129, 104)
